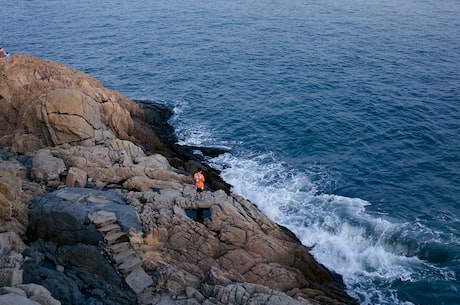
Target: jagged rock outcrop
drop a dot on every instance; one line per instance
(46, 104)
(69, 226)
(111, 214)
(16, 192)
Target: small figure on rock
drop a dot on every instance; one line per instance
(3, 53)
(198, 177)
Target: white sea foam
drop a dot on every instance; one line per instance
(364, 248)
(192, 130)
(196, 133)
(339, 231)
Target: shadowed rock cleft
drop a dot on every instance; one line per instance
(199, 214)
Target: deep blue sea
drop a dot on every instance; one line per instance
(343, 117)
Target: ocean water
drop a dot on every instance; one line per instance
(343, 117)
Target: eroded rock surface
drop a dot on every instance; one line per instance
(111, 214)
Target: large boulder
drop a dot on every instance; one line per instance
(67, 116)
(46, 103)
(63, 216)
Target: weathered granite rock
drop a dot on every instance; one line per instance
(121, 162)
(142, 183)
(138, 280)
(12, 290)
(70, 116)
(76, 177)
(13, 211)
(46, 168)
(62, 216)
(248, 293)
(164, 246)
(43, 101)
(16, 192)
(71, 220)
(234, 243)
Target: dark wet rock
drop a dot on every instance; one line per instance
(77, 274)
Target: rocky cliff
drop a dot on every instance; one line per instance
(97, 206)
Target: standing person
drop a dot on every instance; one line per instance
(199, 183)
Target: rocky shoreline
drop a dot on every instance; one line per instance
(97, 206)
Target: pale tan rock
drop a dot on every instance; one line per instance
(115, 237)
(38, 294)
(167, 175)
(276, 276)
(32, 117)
(117, 248)
(136, 238)
(93, 160)
(114, 227)
(66, 116)
(131, 263)
(122, 256)
(46, 167)
(237, 244)
(239, 261)
(103, 218)
(108, 166)
(13, 201)
(155, 161)
(76, 177)
(142, 183)
(218, 276)
(133, 151)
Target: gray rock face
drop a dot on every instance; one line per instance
(45, 167)
(77, 274)
(62, 216)
(70, 264)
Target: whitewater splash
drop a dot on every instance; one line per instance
(372, 252)
(336, 229)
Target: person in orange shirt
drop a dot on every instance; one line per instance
(199, 183)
